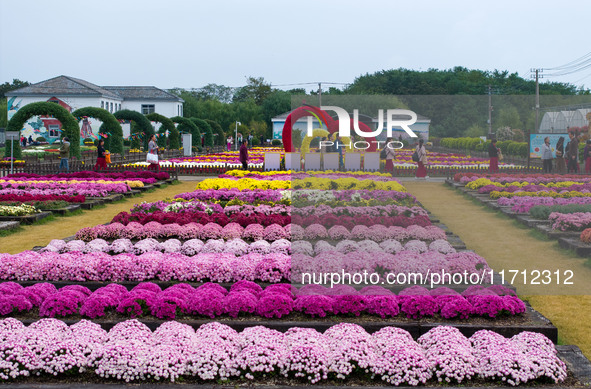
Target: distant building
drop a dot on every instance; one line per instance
(559, 122)
(73, 93)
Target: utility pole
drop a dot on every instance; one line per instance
(319, 94)
(535, 74)
(490, 108)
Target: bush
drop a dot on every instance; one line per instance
(256, 142)
(276, 142)
(88, 140)
(586, 236)
(40, 139)
(542, 212)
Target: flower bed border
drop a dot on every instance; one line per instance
(536, 323)
(566, 240)
(29, 219)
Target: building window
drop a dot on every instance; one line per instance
(147, 108)
(54, 131)
(111, 107)
(102, 104)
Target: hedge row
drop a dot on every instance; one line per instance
(542, 212)
(508, 147)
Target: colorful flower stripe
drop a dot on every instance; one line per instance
(54, 186)
(33, 181)
(191, 247)
(197, 206)
(376, 232)
(577, 221)
(346, 184)
(524, 204)
(568, 187)
(306, 269)
(247, 298)
(133, 230)
(390, 246)
(350, 196)
(30, 197)
(20, 210)
(322, 210)
(350, 222)
(244, 183)
(126, 175)
(224, 267)
(224, 194)
(502, 178)
(76, 266)
(130, 351)
(404, 158)
(486, 183)
(201, 217)
(547, 193)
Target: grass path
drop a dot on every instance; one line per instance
(62, 227)
(508, 245)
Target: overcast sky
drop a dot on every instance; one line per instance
(191, 43)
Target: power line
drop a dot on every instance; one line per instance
(570, 64)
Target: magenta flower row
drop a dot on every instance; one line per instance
(126, 175)
(576, 221)
(376, 232)
(247, 298)
(130, 351)
(133, 230)
(224, 194)
(201, 217)
(524, 204)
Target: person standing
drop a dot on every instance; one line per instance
(250, 141)
(390, 155)
(493, 154)
(340, 148)
(560, 164)
(101, 162)
(262, 140)
(572, 153)
(244, 155)
(153, 150)
(64, 155)
(30, 140)
(229, 142)
(422, 153)
(547, 156)
(587, 156)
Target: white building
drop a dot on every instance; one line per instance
(73, 93)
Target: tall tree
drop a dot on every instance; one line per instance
(16, 84)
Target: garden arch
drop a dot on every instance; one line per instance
(186, 125)
(166, 125)
(110, 126)
(142, 122)
(205, 128)
(332, 125)
(69, 125)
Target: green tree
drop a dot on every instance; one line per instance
(256, 89)
(3, 113)
(475, 131)
(509, 117)
(16, 84)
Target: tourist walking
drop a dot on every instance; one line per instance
(390, 155)
(560, 164)
(101, 161)
(244, 155)
(422, 154)
(572, 153)
(493, 154)
(547, 156)
(229, 142)
(64, 155)
(587, 156)
(152, 156)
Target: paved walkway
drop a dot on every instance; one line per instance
(505, 245)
